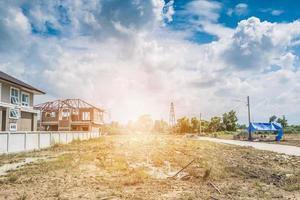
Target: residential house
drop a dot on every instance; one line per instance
(16, 104)
(70, 115)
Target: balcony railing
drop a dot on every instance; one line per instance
(18, 106)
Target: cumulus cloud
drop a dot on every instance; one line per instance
(258, 45)
(239, 10)
(128, 62)
(168, 11)
(204, 16)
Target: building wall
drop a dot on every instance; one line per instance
(5, 93)
(49, 118)
(75, 122)
(35, 122)
(27, 120)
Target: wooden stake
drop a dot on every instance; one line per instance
(212, 184)
(183, 168)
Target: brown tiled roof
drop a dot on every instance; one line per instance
(11, 79)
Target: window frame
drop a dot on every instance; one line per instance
(13, 124)
(26, 93)
(18, 113)
(10, 95)
(84, 117)
(52, 114)
(65, 114)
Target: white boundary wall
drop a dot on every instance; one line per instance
(13, 142)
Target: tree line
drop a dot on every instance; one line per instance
(226, 122)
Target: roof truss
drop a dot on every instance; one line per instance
(65, 104)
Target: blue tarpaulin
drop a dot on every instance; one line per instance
(267, 127)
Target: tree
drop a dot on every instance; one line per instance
(215, 124)
(144, 123)
(195, 125)
(282, 121)
(241, 126)
(230, 121)
(272, 118)
(183, 125)
(160, 126)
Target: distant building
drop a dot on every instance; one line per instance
(16, 104)
(70, 115)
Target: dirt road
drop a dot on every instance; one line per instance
(286, 149)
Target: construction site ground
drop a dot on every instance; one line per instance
(143, 167)
(288, 139)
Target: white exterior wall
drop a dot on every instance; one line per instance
(13, 142)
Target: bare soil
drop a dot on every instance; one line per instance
(141, 167)
(288, 139)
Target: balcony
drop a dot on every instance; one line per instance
(18, 106)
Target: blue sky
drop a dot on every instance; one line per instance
(135, 57)
(266, 10)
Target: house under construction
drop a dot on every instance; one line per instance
(70, 115)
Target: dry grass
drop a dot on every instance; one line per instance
(137, 167)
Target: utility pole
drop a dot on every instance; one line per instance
(249, 119)
(200, 125)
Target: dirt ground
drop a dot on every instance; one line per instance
(291, 139)
(288, 139)
(141, 167)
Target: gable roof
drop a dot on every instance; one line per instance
(67, 103)
(13, 80)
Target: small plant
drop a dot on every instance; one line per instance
(206, 174)
(12, 179)
(23, 197)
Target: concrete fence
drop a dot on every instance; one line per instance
(12, 142)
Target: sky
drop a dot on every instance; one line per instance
(134, 57)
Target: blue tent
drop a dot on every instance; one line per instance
(267, 127)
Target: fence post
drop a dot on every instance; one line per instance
(66, 137)
(7, 142)
(72, 136)
(90, 135)
(39, 140)
(58, 137)
(50, 141)
(25, 141)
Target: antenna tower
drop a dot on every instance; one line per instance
(172, 121)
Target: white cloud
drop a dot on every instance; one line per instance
(277, 12)
(134, 68)
(274, 12)
(204, 9)
(259, 45)
(169, 11)
(240, 9)
(205, 18)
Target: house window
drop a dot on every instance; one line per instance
(13, 127)
(14, 113)
(75, 112)
(86, 116)
(14, 95)
(65, 114)
(52, 114)
(25, 99)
